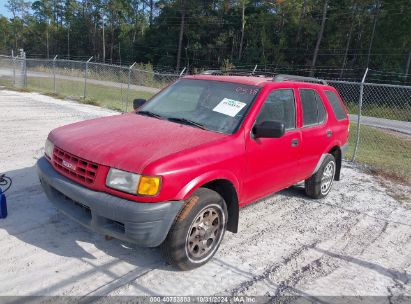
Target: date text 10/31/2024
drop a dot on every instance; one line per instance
(203, 299)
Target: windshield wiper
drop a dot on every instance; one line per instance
(187, 122)
(151, 114)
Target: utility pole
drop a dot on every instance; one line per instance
(47, 40)
(180, 39)
(377, 4)
(407, 67)
(300, 22)
(320, 37)
(347, 46)
(104, 43)
(68, 42)
(240, 51)
(151, 12)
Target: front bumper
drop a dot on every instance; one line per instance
(145, 224)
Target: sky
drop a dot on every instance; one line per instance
(3, 9)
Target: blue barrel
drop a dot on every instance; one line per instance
(3, 205)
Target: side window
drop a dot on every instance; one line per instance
(335, 103)
(313, 108)
(279, 106)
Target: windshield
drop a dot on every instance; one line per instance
(212, 105)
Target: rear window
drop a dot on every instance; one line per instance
(313, 108)
(336, 105)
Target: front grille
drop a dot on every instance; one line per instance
(74, 167)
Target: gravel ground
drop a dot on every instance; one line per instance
(357, 241)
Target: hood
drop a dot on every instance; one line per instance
(130, 141)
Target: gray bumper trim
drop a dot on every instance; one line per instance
(145, 224)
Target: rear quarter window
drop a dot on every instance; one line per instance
(336, 105)
(314, 112)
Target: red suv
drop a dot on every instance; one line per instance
(176, 171)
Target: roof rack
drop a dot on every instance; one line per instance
(234, 73)
(212, 72)
(284, 77)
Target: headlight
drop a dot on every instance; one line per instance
(123, 180)
(133, 183)
(48, 149)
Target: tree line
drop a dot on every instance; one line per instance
(307, 35)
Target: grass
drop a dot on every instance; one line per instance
(141, 74)
(386, 153)
(6, 81)
(382, 111)
(108, 97)
(99, 95)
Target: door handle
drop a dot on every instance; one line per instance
(294, 142)
(329, 133)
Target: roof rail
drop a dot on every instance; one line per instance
(212, 72)
(284, 77)
(231, 73)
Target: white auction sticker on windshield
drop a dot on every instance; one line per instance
(229, 107)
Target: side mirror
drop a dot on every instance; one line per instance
(137, 103)
(269, 129)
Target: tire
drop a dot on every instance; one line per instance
(320, 183)
(197, 231)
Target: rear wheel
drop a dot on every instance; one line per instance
(197, 232)
(320, 183)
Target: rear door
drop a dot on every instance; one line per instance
(272, 163)
(339, 126)
(316, 136)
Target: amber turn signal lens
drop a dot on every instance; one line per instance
(149, 185)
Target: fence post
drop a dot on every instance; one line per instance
(129, 82)
(85, 77)
(357, 141)
(54, 74)
(23, 54)
(255, 69)
(14, 68)
(182, 72)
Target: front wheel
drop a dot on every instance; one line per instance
(320, 183)
(197, 232)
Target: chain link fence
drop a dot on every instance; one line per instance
(380, 114)
(12, 71)
(106, 85)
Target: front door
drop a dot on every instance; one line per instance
(272, 163)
